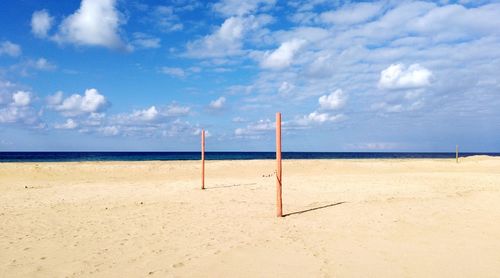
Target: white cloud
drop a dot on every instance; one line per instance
(69, 124)
(177, 128)
(14, 114)
(197, 131)
(285, 88)
(328, 103)
(145, 41)
(218, 103)
(175, 110)
(389, 108)
(109, 130)
(256, 128)
(283, 56)
(151, 115)
(453, 22)
(95, 119)
(146, 115)
(397, 76)
(333, 101)
(173, 71)
(21, 98)
(95, 23)
(319, 118)
(148, 122)
(240, 8)
(43, 64)
(352, 13)
(227, 40)
(18, 109)
(55, 99)
(165, 18)
(10, 49)
(41, 22)
(92, 101)
(398, 105)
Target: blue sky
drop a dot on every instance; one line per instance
(346, 75)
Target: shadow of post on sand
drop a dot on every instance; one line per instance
(313, 209)
(231, 185)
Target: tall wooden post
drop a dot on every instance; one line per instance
(456, 154)
(279, 205)
(202, 159)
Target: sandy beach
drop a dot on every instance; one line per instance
(344, 218)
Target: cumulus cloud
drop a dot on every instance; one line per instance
(17, 109)
(255, 129)
(318, 118)
(184, 128)
(327, 103)
(69, 124)
(155, 121)
(95, 23)
(41, 22)
(55, 99)
(109, 130)
(283, 56)
(15, 114)
(10, 49)
(147, 115)
(333, 101)
(227, 40)
(21, 98)
(397, 76)
(94, 119)
(218, 103)
(152, 114)
(92, 101)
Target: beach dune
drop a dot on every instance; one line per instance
(343, 218)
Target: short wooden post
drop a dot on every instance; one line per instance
(456, 153)
(202, 159)
(279, 205)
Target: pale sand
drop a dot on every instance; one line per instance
(380, 218)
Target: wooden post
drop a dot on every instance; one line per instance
(279, 205)
(202, 159)
(456, 156)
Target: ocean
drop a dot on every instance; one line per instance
(164, 156)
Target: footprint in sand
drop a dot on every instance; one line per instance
(177, 265)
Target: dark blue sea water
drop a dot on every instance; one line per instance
(145, 156)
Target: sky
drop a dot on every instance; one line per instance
(125, 75)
